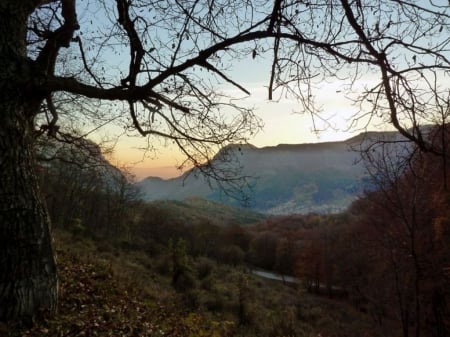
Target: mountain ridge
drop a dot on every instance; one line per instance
(283, 179)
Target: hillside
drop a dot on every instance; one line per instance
(284, 179)
(108, 291)
(195, 210)
(184, 268)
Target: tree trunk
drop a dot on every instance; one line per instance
(27, 266)
(28, 279)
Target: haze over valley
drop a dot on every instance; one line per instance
(284, 179)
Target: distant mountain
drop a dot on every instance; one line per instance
(82, 160)
(283, 179)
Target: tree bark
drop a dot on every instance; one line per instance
(28, 279)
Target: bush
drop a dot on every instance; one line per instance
(184, 281)
(207, 283)
(77, 228)
(163, 265)
(214, 302)
(104, 246)
(204, 267)
(193, 299)
(232, 255)
(284, 323)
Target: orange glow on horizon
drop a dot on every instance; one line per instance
(282, 125)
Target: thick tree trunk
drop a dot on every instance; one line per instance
(28, 279)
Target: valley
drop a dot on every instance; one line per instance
(280, 180)
(200, 267)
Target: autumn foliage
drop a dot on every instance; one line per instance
(391, 255)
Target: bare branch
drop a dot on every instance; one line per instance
(61, 37)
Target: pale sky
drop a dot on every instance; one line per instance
(282, 119)
(283, 124)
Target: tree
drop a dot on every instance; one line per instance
(262, 250)
(36, 74)
(78, 185)
(400, 227)
(182, 279)
(314, 263)
(285, 256)
(62, 62)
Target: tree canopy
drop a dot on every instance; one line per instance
(161, 63)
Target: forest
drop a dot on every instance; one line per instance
(381, 268)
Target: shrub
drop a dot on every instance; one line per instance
(184, 281)
(232, 255)
(204, 267)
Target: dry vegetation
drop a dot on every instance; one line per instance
(107, 291)
(128, 268)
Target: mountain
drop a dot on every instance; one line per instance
(283, 179)
(82, 161)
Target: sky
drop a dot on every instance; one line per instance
(283, 124)
(282, 118)
(283, 121)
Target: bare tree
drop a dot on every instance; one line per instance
(156, 66)
(401, 224)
